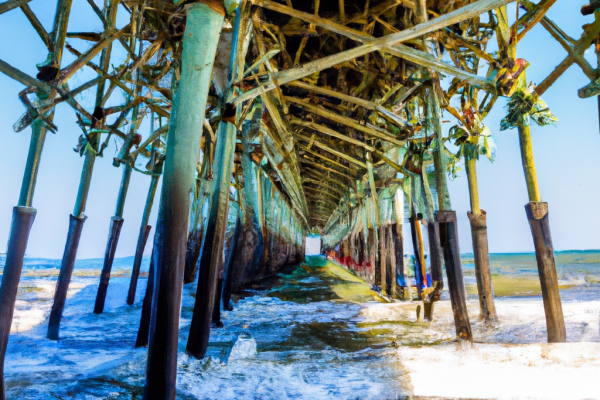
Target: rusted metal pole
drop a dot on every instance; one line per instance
(200, 40)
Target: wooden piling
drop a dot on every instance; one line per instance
(114, 232)
(196, 229)
(482, 266)
(144, 328)
(143, 236)
(392, 264)
(249, 250)
(24, 213)
(456, 286)
(64, 277)
(212, 258)
(22, 221)
(477, 218)
(537, 214)
(76, 221)
(435, 251)
(230, 271)
(378, 243)
(200, 40)
(414, 231)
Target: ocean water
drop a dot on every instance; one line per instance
(313, 332)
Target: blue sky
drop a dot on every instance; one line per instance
(566, 156)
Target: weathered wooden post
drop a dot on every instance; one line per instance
(229, 267)
(380, 277)
(144, 228)
(435, 252)
(537, 214)
(197, 223)
(196, 232)
(536, 210)
(212, 257)
(364, 248)
(477, 217)
(448, 225)
(76, 221)
(203, 26)
(397, 235)
(144, 328)
(114, 231)
(128, 161)
(392, 265)
(24, 213)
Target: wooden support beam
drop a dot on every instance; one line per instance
(329, 160)
(580, 47)
(559, 35)
(37, 25)
(354, 100)
(12, 4)
(318, 165)
(331, 132)
(461, 14)
(349, 122)
(332, 151)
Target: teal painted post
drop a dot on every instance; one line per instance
(212, 261)
(200, 40)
